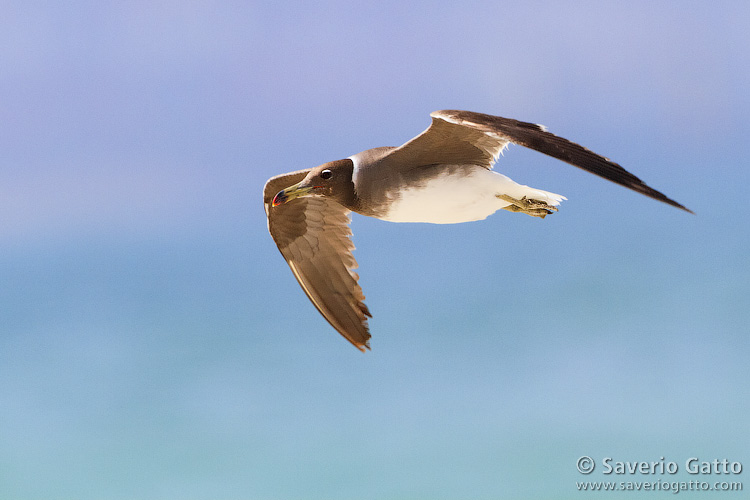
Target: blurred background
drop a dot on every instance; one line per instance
(154, 344)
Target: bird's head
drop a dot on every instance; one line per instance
(332, 179)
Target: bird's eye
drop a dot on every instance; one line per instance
(326, 174)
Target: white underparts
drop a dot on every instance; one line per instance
(453, 198)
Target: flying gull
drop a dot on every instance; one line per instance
(442, 176)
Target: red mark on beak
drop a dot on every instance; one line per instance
(279, 199)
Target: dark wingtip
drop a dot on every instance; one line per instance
(669, 201)
(687, 210)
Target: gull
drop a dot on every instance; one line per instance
(442, 176)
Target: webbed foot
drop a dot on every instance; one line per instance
(534, 208)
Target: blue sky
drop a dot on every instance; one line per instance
(153, 343)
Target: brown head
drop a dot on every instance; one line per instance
(332, 180)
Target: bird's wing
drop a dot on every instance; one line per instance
(467, 137)
(451, 143)
(313, 235)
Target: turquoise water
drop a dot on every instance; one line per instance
(153, 343)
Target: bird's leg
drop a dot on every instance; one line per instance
(534, 208)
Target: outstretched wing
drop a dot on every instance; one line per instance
(313, 235)
(468, 137)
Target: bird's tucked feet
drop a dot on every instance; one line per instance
(534, 208)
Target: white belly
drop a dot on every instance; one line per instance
(453, 198)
